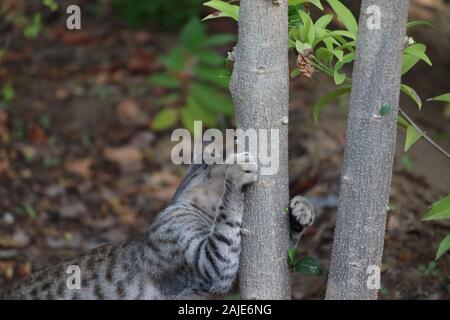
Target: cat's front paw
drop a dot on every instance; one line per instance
(302, 210)
(242, 169)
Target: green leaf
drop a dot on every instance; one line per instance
(301, 46)
(440, 210)
(187, 119)
(339, 78)
(418, 50)
(296, 72)
(29, 211)
(165, 119)
(292, 254)
(212, 99)
(307, 32)
(213, 75)
(414, 54)
(419, 23)
(317, 3)
(408, 62)
(31, 31)
(412, 136)
(225, 9)
(323, 21)
(8, 92)
(407, 162)
(443, 247)
(324, 55)
(220, 39)
(211, 58)
(198, 113)
(193, 35)
(165, 80)
(345, 16)
(444, 98)
(410, 92)
(174, 61)
(402, 122)
(51, 4)
(328, 98)
(309, 265)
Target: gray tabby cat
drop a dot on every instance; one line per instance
(192, 248)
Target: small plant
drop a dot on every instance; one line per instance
(440, 211)
(195, 81)
(429, 270)
(308, 265)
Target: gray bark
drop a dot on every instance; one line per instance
(369, 153)
(260, 90)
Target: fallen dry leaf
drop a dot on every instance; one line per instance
(80, 167)
(7, 268)
(24, 270)
(142, 61)
(129, 113)
(72, 37)
(62, 94)
(127, 157)
(37, 135)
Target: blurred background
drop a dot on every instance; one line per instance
(86, 118)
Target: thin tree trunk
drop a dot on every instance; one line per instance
(260, 90)
(369, 153)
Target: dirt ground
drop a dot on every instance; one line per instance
(80, 166)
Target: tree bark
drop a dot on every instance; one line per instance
(260, 91)
(369, 152)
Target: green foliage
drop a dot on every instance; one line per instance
(198, 72)
(31, 31)
(412, 136)
(442, 98)
(8, 92)
(429, 270)
(307, 265)
(329, 51)
(440, 211)
(51, 4)
(168, 14)
(444, 246)
(327, 99)
(165, 119)
(224, 9)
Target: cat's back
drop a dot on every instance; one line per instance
(109, 272)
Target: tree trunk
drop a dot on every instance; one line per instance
(260, 90)
(369, 153)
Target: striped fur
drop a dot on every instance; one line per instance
(192, 248)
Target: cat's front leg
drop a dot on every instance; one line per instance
(301, 215)
(218, 257)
